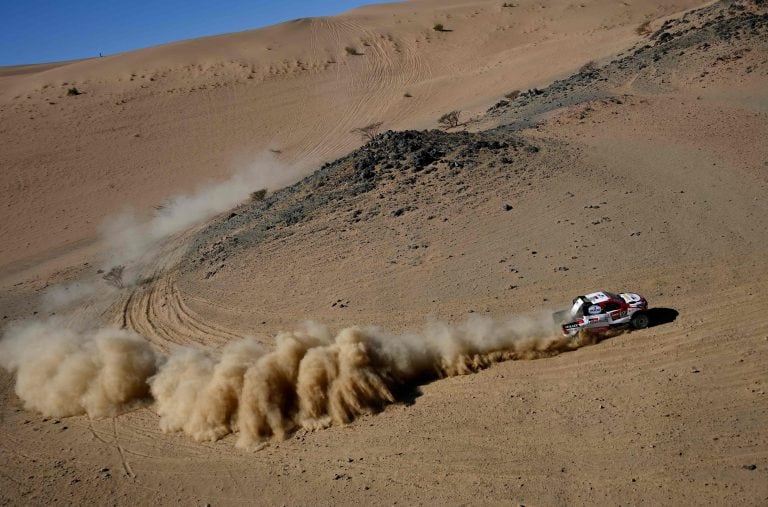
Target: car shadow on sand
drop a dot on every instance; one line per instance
(660, 316)
(407, 393)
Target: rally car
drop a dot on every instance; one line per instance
(600, 311)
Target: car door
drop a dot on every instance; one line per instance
(594, 315)
(615, 311)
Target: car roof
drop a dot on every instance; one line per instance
(597, 297)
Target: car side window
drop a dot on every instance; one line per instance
(611, 306)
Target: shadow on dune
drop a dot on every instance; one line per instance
(659, 316)
(408, 393)
(656, 317)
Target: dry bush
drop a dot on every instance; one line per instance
(368, 132)
(352, 51)
(73, 91)
(259, 195)
(438, 27)
(644, 29)
(449, 120)
(512, 95)
(114, 277)
(588, 67)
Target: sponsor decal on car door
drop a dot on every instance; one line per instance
(594, 310)
(617, 314)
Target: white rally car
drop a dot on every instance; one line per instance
(600, 311)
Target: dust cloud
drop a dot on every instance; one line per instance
(64, 295)
(62, 372)
(130, 237)
(310, 380)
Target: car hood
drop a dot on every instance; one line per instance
(631, 297)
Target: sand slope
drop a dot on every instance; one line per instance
(159, 121)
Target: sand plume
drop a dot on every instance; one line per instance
(61, 372)
(311, 379)
(340, 381)
(130, 236)
(198, 391)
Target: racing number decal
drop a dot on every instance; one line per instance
(617, 314)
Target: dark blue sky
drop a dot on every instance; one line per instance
(35, 31)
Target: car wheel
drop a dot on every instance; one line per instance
(640, 320)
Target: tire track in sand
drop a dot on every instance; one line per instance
(155, 307)
(157, 311)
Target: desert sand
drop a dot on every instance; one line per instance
(634, 159)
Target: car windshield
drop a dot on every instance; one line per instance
(611, 295)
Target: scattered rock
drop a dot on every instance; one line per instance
(398, 212)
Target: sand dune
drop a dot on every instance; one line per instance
(158, 121)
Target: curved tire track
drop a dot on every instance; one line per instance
(155, 308)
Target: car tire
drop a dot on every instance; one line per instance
(640, 320)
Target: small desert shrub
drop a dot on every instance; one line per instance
(352, 51)
(407, 95)
(449, 120)
(438, 27)
(644, 29)
(115, 277)
(512, 95)
(588, 67)
(368, 132)
(508, 4)
(259, 195)
(73, 91)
